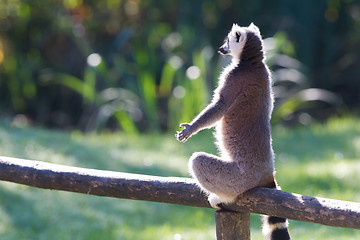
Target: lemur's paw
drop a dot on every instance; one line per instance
(183, 135)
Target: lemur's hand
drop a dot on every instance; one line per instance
(185, 133)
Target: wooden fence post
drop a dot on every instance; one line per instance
(232, 225)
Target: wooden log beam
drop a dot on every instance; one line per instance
(277, 203)
(102, 183)
(177, 191)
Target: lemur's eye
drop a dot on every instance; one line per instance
(237, 37)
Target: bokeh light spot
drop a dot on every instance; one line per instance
(179, 92)
(193, 72)
(94, 59)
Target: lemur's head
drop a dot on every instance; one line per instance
(237, 38)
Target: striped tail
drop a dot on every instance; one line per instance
(275, 228)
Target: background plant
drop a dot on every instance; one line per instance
(146, 80)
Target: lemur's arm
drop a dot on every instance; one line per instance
(206, 119)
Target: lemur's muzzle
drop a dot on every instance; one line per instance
(224, 49)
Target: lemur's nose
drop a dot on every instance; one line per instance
(222, 50)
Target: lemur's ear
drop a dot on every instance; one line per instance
(254, 28)
(236, 32)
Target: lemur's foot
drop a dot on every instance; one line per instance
(215, 201)
(218, 202)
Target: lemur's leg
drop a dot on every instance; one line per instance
(221, 178)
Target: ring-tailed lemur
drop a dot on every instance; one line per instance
(241, 109)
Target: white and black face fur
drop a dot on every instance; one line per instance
(237, 38)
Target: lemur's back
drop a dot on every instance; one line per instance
(244, 131)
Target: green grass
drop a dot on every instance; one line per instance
(320, 160)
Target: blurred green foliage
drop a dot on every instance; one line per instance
(149, 65)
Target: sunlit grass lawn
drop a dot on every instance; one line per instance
(321, 160)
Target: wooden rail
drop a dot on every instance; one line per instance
(182, 191)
